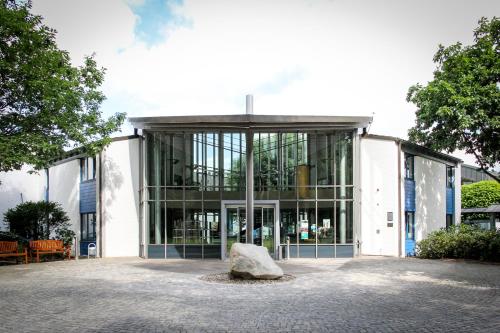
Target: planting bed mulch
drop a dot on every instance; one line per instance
(228, 279)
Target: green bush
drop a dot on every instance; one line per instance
(462, 241)
(66, 235)
(481, 194)
(36, 220)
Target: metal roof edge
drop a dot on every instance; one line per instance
(415, 149)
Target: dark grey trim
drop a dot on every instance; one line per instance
(245, 121)
(77, 152)
(490, 209)
(125, 137)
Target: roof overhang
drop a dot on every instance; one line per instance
(250, 121)
(415, 149)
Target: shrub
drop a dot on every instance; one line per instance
(66, 235)
(36, 220)
(462, 241)
(9, 236)
(481, 194)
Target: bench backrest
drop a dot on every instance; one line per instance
(46, 244)
(8, 247)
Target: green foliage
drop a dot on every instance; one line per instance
(66, 235)
(481, 194)
(460, 107)
(462, 241)
(36, 220)
(12, 237)
(46, 104)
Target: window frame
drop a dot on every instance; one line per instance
(409, 168)
(86, 221)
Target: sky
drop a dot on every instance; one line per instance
(317, 57)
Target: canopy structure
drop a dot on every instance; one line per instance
(251, 121)
(490, 209)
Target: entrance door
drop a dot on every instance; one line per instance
(265, 231)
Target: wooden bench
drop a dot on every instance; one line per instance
(47, 246)
(10, 249)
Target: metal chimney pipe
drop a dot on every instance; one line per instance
(249, 104)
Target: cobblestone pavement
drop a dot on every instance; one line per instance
(362, 295)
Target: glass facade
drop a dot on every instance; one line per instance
(189, 175)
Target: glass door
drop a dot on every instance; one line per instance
(236, 226)
(264, 229)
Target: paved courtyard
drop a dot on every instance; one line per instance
(362, 295)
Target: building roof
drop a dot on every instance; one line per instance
(252, 121)
(416, 149)
(490, 209)
(79, 153)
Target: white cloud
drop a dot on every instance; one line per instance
(342, 57)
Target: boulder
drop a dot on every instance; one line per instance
(250, 261)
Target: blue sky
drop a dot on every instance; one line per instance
(153, 17)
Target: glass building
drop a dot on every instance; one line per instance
(287, 183)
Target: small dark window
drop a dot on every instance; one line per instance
(450, 176)
(449, 220)
(409, 166)
(87, 168)
(88, 232)
(410, 225)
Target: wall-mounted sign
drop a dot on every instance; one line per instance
(390, 216)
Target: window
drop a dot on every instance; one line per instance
(409, 166)
(449, 220)
(410, 225)
(450, 176)
(87, 168)
(88, 227)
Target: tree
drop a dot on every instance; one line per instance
(460, 107)
(37, 220)
(46, 105)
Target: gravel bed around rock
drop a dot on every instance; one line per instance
(226, 278)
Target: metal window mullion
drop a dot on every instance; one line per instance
(184, 197)
(335, 227)
(297, 227)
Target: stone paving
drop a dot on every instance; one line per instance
(361, 295)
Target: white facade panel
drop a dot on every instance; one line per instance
(430, 196)
(120, 199)
(379, 196)
(20, 186)
(64, 188)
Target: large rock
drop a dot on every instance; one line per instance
(250, 261)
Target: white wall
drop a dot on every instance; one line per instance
(64, 188)
(120, 199)
(379, 195)
(14, 183)
(430, 196)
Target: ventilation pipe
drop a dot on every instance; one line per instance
(249, 107)
(249, 173)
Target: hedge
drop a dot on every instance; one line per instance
(462, 241)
